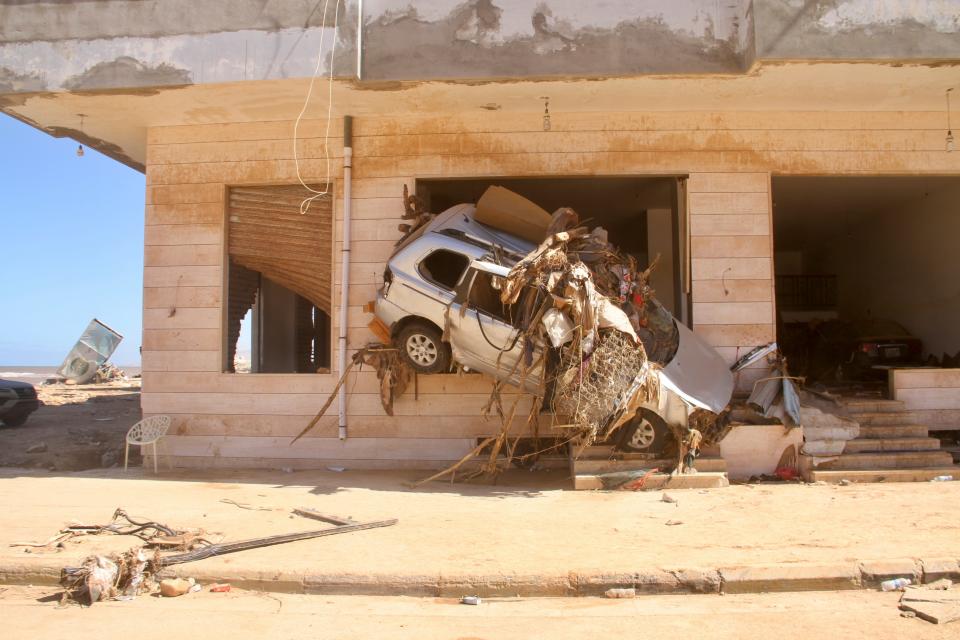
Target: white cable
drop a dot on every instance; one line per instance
(305, 205)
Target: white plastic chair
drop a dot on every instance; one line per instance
(145, 432)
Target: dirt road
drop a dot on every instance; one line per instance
(78, 427)
(243, 614)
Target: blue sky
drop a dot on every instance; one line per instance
(71, 247)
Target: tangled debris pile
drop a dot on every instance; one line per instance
(581, 334)
(124, 576)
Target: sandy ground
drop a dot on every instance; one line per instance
(79, 426)
(30, 613)
(529, 524)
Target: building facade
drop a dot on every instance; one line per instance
(734, 107)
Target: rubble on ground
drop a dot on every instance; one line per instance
(125, 575)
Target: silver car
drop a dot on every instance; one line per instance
(448, 273)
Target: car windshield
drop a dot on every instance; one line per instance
(881, 328)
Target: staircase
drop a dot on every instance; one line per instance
(891, 447)
(596, 463)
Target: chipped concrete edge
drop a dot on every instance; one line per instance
(762, 578)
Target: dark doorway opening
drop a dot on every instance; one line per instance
(641, 215)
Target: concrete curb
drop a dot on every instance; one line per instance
(764, 578)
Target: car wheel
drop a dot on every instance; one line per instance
(423, 349)
(15, 420)
(645, 433)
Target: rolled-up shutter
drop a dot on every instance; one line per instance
(267, 233)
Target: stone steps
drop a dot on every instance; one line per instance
(863, 445)
(875, 406)
(880, 418)
(871, 431)
(890, 460)
(883, 475)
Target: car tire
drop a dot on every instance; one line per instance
(15, 420)
(422, 347)
(645, 433)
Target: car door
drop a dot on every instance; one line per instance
(482, 334)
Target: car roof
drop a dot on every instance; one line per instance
(459, 220)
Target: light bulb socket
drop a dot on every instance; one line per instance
(950, 145)
(79, 150)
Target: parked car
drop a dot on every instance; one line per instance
(854, 351)
(17, 401)
(448, 273)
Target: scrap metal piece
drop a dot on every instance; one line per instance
(753, 356)
(94, 347)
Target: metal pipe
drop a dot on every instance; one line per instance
(345, 267)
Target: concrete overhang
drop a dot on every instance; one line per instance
(127, 65)
(116, 121)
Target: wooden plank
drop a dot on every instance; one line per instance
(518, 123)
(926, 378)
(726, 313)
(363, 381)
(381, 426)
(237, 173)
(180, 276)
(932, 398)
(723, 225)
(181, 297)
(237, 150)
(193, 213)
(352, 448)
(179, 234)
(731, 268)
(184, 194)
(181, 339)
(186, 255)
(256, 462)
(732, 290)
(726, 182)
(183, 318)
(751, 203)
(192, 360)
(734, 335)
(469, 404)
(730, 246)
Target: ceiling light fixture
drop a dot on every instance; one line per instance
(949, 128)
(80, 146)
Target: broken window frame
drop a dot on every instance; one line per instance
(226, 367)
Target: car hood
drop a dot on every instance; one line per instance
(15, 384)
(698, 374)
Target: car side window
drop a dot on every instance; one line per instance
(444, 268)
(485, 297)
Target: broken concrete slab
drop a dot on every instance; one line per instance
(938, 568)
(936, 606)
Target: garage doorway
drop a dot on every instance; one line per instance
(867, 276)
(643, 217)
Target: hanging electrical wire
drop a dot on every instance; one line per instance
(305, 205)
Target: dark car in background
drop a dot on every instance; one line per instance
(17, 401)
(838, 350)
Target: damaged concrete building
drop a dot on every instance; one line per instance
(789, 161)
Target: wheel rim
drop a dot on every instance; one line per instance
(643, 436)
(422, 349)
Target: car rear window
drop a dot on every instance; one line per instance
(444, 268)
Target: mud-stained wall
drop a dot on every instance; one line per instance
(497, 38)
(112, 44)
(857, 29)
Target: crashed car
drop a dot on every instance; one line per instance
(440, 303)
(17, 401)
